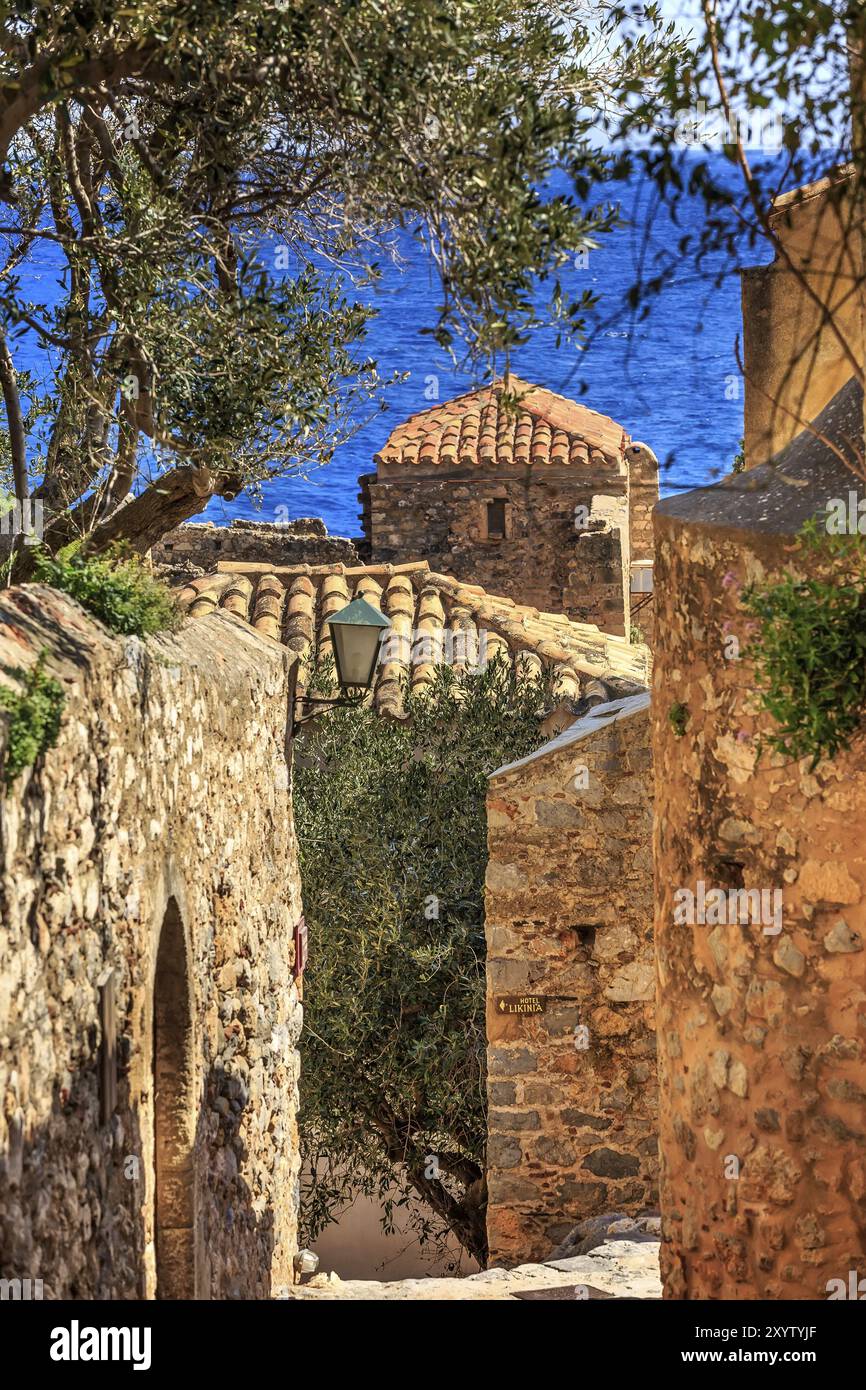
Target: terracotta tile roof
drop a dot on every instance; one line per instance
(433, 618)
(477, 431)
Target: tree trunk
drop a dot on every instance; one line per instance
(466, 1216)
(144, 520)
(14, 419)
(138, 524)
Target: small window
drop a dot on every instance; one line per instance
(496, 521)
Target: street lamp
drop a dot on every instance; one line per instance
(356, 635)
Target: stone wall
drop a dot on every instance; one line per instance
(762, 1001)
(597, 579)
(201, 545)
(148, 1017)
(572, 1089)
(643, 493)
(443, 519)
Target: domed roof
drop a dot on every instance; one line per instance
(480, 429)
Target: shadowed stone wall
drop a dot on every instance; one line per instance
(794, 360)
(572, 1090)
(597, 580)
(148, 1017)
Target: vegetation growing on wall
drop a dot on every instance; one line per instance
(117, 589)
(391, 823)
(810, 651)
(678, 718)
(33, 718)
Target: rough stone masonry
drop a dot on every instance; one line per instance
(202, 545)
(148, 1016)
(548, 504)
(762, 1061)
(570, 983)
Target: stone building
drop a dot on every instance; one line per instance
(568, 899)
(802, 335)
(572, 1129)
(762, 1067)
(149, 1018)
(547, 503)
(762, 1060)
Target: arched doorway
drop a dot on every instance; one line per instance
(174, 1122)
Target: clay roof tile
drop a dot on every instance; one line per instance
(559, 448)
(434, 618)
(270, 596)
(236, 596)
(478, 429)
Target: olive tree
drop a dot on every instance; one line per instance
(392, 829)
(213, 177)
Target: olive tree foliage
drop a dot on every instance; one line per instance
(391, 824)
(777, 87)
(166, 154)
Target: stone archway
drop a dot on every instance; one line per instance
(174, 1113)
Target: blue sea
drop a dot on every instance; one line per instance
(669, 377)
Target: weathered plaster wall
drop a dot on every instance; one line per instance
(162, 816)
(201, 545)
(762, 1059)
(572, 1091)
(443, 519)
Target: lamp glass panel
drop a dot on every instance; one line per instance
(356, 648)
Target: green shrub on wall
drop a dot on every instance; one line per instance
(391, 823)
(678, 718)
(810, 650)
(33, 718)
(118, 589)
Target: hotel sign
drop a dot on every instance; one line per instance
(521, 1004)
